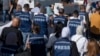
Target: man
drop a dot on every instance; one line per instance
(41, 20)
(95, 24)
(18, 11)
(36, 42)
(80, 40)
(15, 3)
(69, 7)
(74, 22)
(83, 15)
(63, 46)
(6, 7)
(11, 38)
(61, 18)
(98, 4)
(25, 25)
(23, 2)
(36, 9)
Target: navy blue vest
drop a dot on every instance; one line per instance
(40, 19)
(61, 19)
(82, 15)
(17, 13)
(36, 39)
(62, 47)
(38, 45)
(25, 25)
(73, 24)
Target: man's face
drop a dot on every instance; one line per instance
(15, 22)
(18, 8)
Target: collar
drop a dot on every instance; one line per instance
(14, 27)
(74, 17)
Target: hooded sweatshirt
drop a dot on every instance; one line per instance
(80, 40)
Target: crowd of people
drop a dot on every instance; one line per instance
(74, 30)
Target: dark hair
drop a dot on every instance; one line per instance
(76, 12)
(82, 7)
(26, 6)
(37, 4)
(36, 28)
(61, 10)
(50, 5)
(58, 29)
(12, 2)
(67, 1)
(97, 2)
(43, 10)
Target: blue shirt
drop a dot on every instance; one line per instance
(25, 25)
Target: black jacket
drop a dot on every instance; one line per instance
(74, 50)
(12, 29)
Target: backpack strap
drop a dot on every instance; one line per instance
(82, 46)
(78, 39)
(27, 41)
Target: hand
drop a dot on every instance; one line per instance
(28, 45)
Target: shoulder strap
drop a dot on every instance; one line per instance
(84, 42)
(27, 40)
(83, 45)
(83, 48)
(78, 39)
